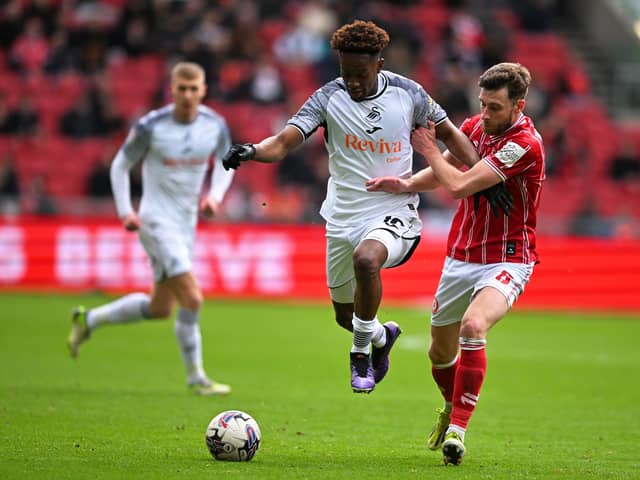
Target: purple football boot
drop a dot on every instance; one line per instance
(380, 355)
(361, 373)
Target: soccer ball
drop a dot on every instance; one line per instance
(233, 436)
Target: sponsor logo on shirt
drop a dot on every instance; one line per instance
(182, 162)
(354, 142)
(510, 153)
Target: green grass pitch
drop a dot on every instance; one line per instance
(561, 398)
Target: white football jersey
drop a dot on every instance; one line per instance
(175, 158)
(366, 139)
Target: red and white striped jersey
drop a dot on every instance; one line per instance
(518, 157)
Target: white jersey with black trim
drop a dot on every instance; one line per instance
(175, 157)
(366, 139)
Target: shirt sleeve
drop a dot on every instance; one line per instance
(221, 178)
(313, 112)
(132, 151)
(514, 157)
(427, 108)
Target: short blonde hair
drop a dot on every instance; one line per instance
(187, 70)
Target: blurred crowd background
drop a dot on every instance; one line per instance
(75, 74)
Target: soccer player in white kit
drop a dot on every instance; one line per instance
(174, 145)
(490, 258)
(367, 115)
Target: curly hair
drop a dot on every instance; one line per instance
(360, 37)
(514, 76)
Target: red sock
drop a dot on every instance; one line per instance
(445, 377)
(469, 378)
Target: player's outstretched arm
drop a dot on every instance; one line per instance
(459, 184)
(457, 142)
(271, 149)
(421, 181)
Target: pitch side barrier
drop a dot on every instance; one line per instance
(287, 262)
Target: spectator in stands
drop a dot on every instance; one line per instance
(11, 22)
(9, 184)
(453, 91)
(37, 199)
(495, 46)
(588, 222)
(108, 118)
(245, 42)
(173, 20)
(559, 158)
(299, 46)
(132, 31)
(625, 165)
(136, 41)
(81, 120)
(29, 52)
(535, 15)
(263, 86)
(24, 120)
(93, 114)
(61, 57)
(47, 11)
(463, 37)
(5, 125)
(99, 179)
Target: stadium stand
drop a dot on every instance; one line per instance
(582, 136)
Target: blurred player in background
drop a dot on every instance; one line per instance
(490, 257)
(367, 115)
(174, 145)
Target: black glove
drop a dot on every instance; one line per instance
(238, 153)
(497, 196)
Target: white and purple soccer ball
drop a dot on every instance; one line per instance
(233, 436)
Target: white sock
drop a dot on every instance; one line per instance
(362, 332)
(379, 337)
(128, 309)
(459, 430)
(187, 331)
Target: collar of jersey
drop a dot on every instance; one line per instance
(493, 138)
(382, 86)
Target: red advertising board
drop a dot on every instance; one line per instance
(267, 261)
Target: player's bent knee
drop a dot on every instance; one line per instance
(194, 304)
(472, 327)
(160, 313)
(440, 355)
(343, 315)
(365, 263)
(345, 322)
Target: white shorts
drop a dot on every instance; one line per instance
(460, 281)
(169, 249)
(399, 232)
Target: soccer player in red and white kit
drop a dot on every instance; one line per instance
(490, 258)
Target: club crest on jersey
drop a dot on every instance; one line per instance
(510, 153)
(374, 115)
